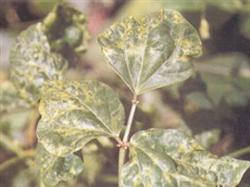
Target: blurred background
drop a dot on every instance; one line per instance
(213, 105)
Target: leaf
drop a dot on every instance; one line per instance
(138, 7)
(245, 25)
(94, 163)
(53, 169)
(171, 158)
(231, 5)
(152, 51)
(73, 113)
(36, 56)
(10, 98)
(227, 77)
(66, 29)
(208, 138)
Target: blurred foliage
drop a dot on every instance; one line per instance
(213, 104)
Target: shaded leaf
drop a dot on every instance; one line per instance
(66, 29)
(245, 25)
(227, 77)
(153, 51)
(208, 138)
(73, 113)
(171, 158)
(53, 169)
(94, 162)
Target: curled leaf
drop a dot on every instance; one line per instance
(73, 113)
(171, 158)
(152, 51)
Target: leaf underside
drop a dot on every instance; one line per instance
(152, 51)
(170, 158)
(74, 113)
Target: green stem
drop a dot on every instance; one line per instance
(240, 152)
(123, 150)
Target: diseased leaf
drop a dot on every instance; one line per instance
(153, 51)
(73, 113)
(172, 158)
(53, 169)
(36, 56)
(33, 63)
(9, 97)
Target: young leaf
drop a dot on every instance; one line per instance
(171, 158)
(153, 51)
(73, 113)
(36, 56)
(53, 169)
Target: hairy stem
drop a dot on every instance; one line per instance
(240, 152)
(123, 150)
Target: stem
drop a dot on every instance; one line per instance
(8, 163)
(10, 145)
(240, 152)
(123, 151)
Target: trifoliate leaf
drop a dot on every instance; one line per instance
(152, 51)
(171, 158)
(53, 169)
(73, 113)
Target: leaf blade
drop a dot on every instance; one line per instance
(53, 169)
(171, 158)
(81, 112)
(152, 51)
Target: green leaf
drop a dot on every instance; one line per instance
(10, 98)
(53, 169)
(171, 158)
(73, 113)
(152, 51)
(208, 138)
(33, 63)
(231, 5)
(66, 29)
(227, 78)
(36, 56)
(245, 25)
